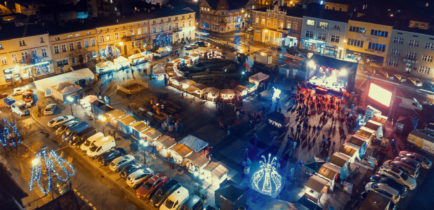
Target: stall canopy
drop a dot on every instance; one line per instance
(339, 159)
(187, 83)
(127, 120)
(211, 92)
(317, 184)
(241, 90)
(79, 76)
(121, 62)
(355, 141)
(194, 143)
(139, 126)
(181, 150)
(103, 67)
(198, 159)
(114, 114)
(177, 81)
(258, 78)
(87, 100)
(64, 89)
(166, 142)
(192, 89)
(137, 59)
(152, 134)
(216, 169)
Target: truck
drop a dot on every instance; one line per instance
(423, 139)
(101, 146)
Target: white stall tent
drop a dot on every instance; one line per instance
(121, 63)
(151, 135)
(77, 76)
(214, 173)
(164, 143)
(113, 116)
(196, 162)
(179, 152)
(104, 67)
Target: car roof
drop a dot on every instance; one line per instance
(180, 193)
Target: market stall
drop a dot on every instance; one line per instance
(159, 73)
(214, 173)
(176, 82)
(187, 83)
(194, 143)
(377, 127)
(169, 70)
(124, 124)
(121, 63)
(258, 80)
(194, 57)
(241, 90)
(227, 94)
(192, 90)
(137, 130)
(113, 116)
(163, 144)
(104, 67)
(210, 93)
(366, 134)
(186, 61)
(137, 59)
(196, 162)
(151, 135)
(178, 153)
(199, 89)
(66, 89)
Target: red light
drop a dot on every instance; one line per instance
(380, 94)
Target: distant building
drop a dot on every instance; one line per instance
(160, 2)
(224, 16)
(337, 5)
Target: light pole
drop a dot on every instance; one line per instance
(103, 121)
(70, 100)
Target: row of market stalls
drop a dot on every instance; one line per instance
(139, 61)
(201, 91)
(190, 152)
(338, 167)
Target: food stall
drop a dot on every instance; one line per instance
(214, 173)
(169, 70)
(241, 90)
(258, 80)
(227, 94)
(124, 124)
(210, 93)
(104, 67)
(176, 82)
(192, 90)
(163, 144)
(86, 102)
(159, 73)
(380, 119)
(187, 83)
(137, 59)
(194, 57)
(151, 135)
(113, 116)
(365, 133)
(196, 162)
(199, 89)
(121, 63)
(186, 61)
(178, 153)
(358, 144)
(377, 127)
(194, 143)
(137, 130)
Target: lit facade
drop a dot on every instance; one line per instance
(336, 5)
(224, 16)
(324, 36)
(411, 52)
(266, 3)
(368, 42)
(24, 59)
(275, 27)
(73, 48)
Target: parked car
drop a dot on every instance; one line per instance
(80, 138)
(18, 91)
(20, 108)
(425, 162)
(415, 81)
(101, 146)
(400, 77)
(59, 120)
(89, 141)
(384, 190)
(129, 169)
(138, 177)
(116, 163)
(50, 109)
(399, 176)
(61, 129)
(9, 101)
(161, 194)
(194, 202)
(402, 189)
(175, 199)
(67, 135)
(150, 185)
(413, 172)
(108, 157)
(409, 161)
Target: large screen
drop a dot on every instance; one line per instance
(380, 94)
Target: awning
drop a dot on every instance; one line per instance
(181, 150)
(194, 143)
(152, 134)
(339, 159)
(139, 126)
(126, 120)
(114, 114)
(216, 169)
(329, 171)
(355, 141)
(166, 142)
(347, 150)
(198, 159)
(317, 183)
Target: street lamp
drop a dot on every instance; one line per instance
(36, 161)
(71, 100)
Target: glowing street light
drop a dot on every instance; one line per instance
(71, 100)
(36, 162)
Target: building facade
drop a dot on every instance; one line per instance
(276, 27)
(224, 16)
(324, 36)
(73, 48)
(368, 42)
(411, 52)
(25, 59)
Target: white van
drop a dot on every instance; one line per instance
(88, 143)
(175, 199)
(20, 108)
(101, 146)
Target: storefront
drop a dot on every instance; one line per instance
(316, 46)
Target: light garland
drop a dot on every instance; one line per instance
(267, 180)
(9, 129)
(49, 159)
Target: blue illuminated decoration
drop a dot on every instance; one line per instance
(9, 134)
(267, 180)
(110, 52)
(47, 163)
(276, 93)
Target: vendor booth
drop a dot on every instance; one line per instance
(196, 162)
(358, 143)
(192, 90)
(186, 61)
(121, 63)
(113, 116)
(341, 161)
(176, 82)
(159, 73)
(178, 153)
(377, 127)
(124, 124)
(104, 67)
(169, 70)
(227, 94)
(210, 93)
(366, 134)
(81, 77)
(198, 89)
(330, 172)
(137, 130)
(194, 143)
(348, 151)
(194, 57)
(86, 102)
(241, 90)
(137, 59)
(187, 83)
(151, 135)
(214, 173)
(258, 80)
(66, 89)
(163, 144)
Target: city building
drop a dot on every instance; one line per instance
(224, 16)
(72, 45)
(267, 3)
(368, 41)
(155, 2)
(337, 5)
(324, 32)
(25, 53)
(277, 26)
(412, 50)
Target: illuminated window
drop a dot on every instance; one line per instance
(377, 46)
(427, 58)
(263, 21)
(357, 29)
(107, 38)
(101, 38)
(3, 60)
(310, 22)
(288, 25)
(257, 20)
(323, 25)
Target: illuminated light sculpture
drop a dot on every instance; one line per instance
(9, 134)
(276, 93)
(45, 163)
(267, 180)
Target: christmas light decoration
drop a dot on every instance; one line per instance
(267, 180)
(9, 134)
(45, 163)
(276, 93)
